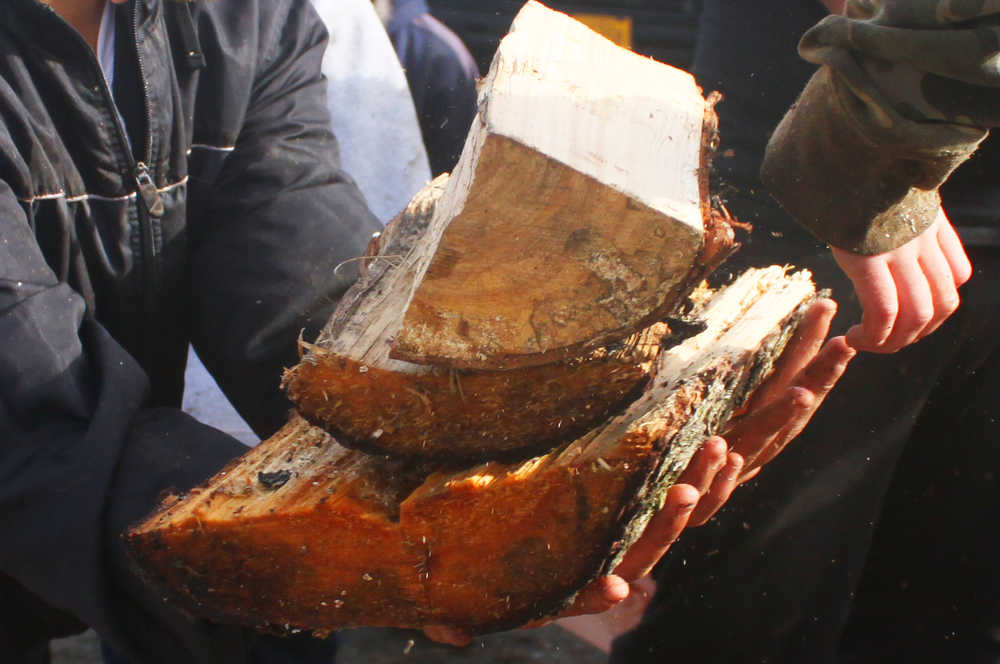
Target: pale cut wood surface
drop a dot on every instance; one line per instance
(575, 214)
(302, 533)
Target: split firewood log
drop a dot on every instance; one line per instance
(303, 533)
(575, 216)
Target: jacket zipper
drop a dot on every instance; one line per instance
(145, 185)
(150, 205)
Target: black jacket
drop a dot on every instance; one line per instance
(223, 228)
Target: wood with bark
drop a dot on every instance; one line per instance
(302, 533)
(577, 218)
(506, 343)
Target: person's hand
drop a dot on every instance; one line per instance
(908, 292)
(804, 374)
(782, 406)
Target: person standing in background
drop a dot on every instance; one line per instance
(371, 110)
(442, 77)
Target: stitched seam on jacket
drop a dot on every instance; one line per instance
(97, 197)
(212, 148)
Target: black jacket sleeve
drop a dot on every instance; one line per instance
(280, 219)
(82, 459)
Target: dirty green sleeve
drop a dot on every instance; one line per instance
(905, 93)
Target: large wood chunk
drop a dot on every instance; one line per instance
(576, 213)
(306, 534)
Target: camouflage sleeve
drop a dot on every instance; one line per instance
(906, 91)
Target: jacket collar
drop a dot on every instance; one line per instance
(34, 23)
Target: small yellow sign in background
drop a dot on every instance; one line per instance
(616, 28)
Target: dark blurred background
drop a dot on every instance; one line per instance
(662, 29)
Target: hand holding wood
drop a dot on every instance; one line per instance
(783, 405)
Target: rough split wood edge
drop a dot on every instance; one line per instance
(354, 382)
